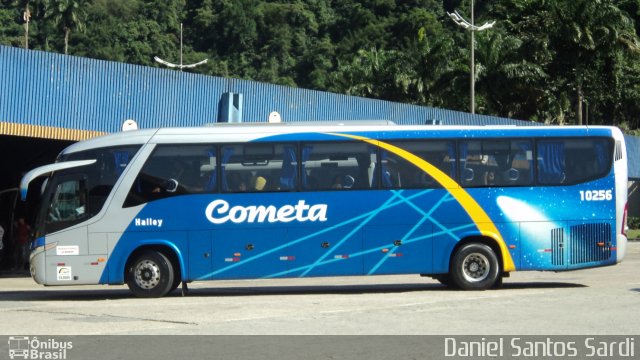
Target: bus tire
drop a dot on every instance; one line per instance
(474, 267)
(150, 275)
(176, 282)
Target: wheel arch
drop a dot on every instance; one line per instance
(167, 249)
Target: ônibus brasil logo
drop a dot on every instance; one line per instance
(24, 347)
(219, 212)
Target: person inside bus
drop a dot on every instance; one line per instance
(337, 182)
(490, 178)
(342, 182)
(242, 186)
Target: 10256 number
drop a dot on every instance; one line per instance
(596, 195)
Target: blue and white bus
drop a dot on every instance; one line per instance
(464, 205)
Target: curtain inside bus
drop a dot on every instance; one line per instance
(227, 152)
(525, 148)
(551, 162)
(307, 150)
(289, 171)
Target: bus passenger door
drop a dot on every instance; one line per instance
(544, 245)
(398, 249)
(200, 256)
(248, 253)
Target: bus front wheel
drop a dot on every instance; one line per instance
(474, 267)
(150, 275)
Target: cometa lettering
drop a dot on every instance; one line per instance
(219, 212)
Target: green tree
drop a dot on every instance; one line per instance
(509, 84)
(10, 32)
(380, 74)
(68, 15)
(542, 60)
(591, 39)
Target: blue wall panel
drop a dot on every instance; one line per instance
(56, 90)
(633, 156)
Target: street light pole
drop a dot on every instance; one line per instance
(26, 16)
(473, 65)
(462, 22)
(179, 66)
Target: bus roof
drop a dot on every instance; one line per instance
(226, 132)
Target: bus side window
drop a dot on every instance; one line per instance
(402, 174)
(339, 165)
(551, 162)
(173, 170)
(472, 163)
(255, 167)
(522, 162)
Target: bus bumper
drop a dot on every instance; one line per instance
(621, 247)
(37, 261)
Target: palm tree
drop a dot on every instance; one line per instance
(442, 71)
(69, 15)
(507, 80)
(590, 38)
(379, 74)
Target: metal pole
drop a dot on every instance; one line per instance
(181, 65)
(586, 122)
(459, 20)
(26, 16)
(473, 70)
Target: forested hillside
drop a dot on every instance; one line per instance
(540, 61)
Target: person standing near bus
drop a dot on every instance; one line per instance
(21, 244)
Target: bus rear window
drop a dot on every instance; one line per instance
(573, 161)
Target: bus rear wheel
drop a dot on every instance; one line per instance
(474, 267)
(150, 275)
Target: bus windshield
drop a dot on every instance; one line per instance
(76, 194)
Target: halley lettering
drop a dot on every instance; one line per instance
(219, 212)
(148, 222)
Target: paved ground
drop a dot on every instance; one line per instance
(596, 301)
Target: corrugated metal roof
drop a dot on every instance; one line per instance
(70, 92)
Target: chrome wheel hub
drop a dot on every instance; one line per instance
(476, 267)
(147, 274)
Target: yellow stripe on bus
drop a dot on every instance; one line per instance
(478, 215)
